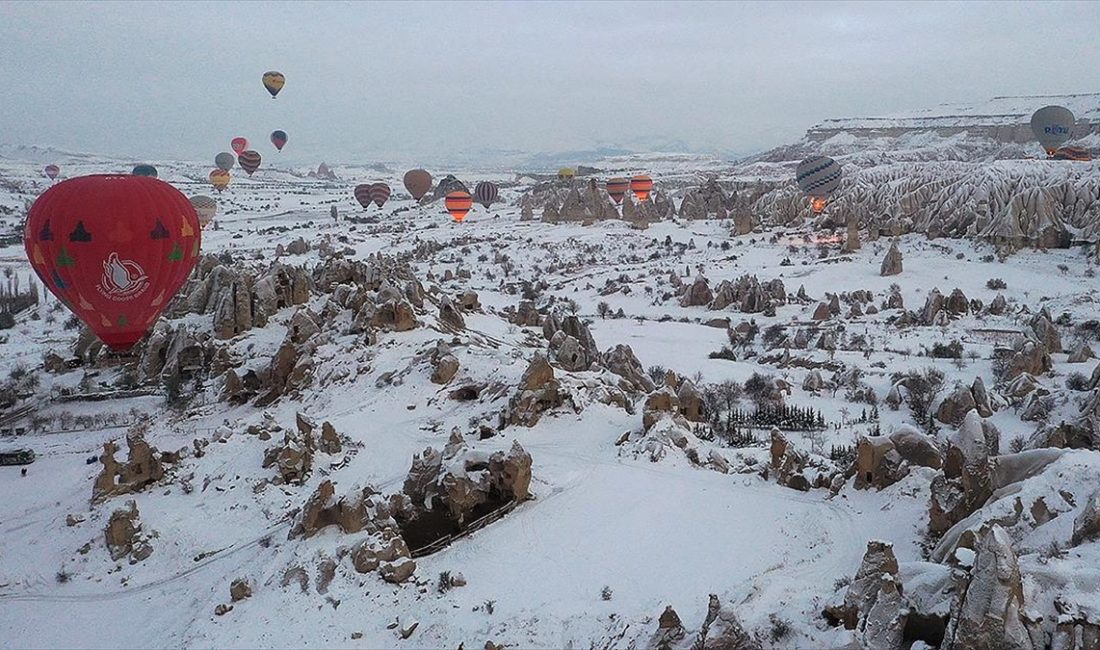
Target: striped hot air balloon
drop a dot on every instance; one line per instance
(362, 195)
(1080, 154)
(379, 193)
(818, 177)
(485, 193)
(220, 178)
(459, 204)
(641, 185)
(206, 207)
(224, 160)
(238, 145)
(616, 189)
(249, 161)
(52, 172)
(274, 82)
(418, 182)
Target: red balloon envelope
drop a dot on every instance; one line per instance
(115, 249)
(238, 144)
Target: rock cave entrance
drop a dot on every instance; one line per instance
(430, 531)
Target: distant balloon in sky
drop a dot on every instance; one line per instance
(566, 172)
(238, 145)
(818, 177)
(220, 178)
(278, 138)
(274, 82)
(206, 207)
(459, 204)
(144, 170)
(52, 172)
(249, 161)
(1079, 154)
(1052, 126)
(616, 189)
(641, 185)
(379, 193)
(362, 194)
(115, 249)
(418, 182)
(485, 193)
(224, 160)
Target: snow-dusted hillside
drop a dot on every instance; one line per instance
(944, 402)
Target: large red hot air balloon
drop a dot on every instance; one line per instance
(379, 193)
(239, 145)
(52, 172)
(616, 189)
(249, 161)
(459, 204)
(641, 185)
(115, 249)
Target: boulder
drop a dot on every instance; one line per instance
(142, 467)
(537, 393)
(659, 404)
(450, 315)
(990, 610)
(955, 406)
(122, 534)
(878, 464)
(698, 294)
(1086, 526)
(966, 482)
(878, 562)
(446, 367)
(621, 361)
(892, 263)
(240, 589)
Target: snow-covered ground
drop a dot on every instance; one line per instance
(653, 533)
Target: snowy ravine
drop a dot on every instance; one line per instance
(641, 497)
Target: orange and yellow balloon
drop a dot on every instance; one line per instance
(459, 204)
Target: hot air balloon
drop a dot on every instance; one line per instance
(278, 138)
(52, 172)
(418, 182)
(205, 207)
(485, 193)
(362, 195)
(224, 160)
(238, 145)
(144, 170)
(566, 172)
(379, 193)
(458, 204)
(220, 178)
(818, 177)
(641, 185)
(114, 249)
(616, 189)
(274, 82)
(1080, 154)
(1052, 126)
(249, 161)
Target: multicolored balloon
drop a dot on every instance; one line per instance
(641, 185)
(1052, 126)
(52, 172)
(1079, 154)
(362, 195)
(278, 138)
(205, 207)
(458, 205)
(249, 161)
(818, 177)
(274, 82)
(238, 145)
(379, 193)
(114, 249)
(220, 178)
(144, 170)
(224, 160)
(418, 182)
(616, 189)
(486, 192)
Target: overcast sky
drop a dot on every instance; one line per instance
(369, 81)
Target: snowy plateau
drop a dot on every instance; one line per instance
(709, 420)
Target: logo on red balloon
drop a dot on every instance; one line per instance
(122, 279)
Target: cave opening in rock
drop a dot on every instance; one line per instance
(427, 527)
(466, 393)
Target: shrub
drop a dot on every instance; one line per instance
(657, 374)
(444, 583)
(952, 350)
(995, 284)
(605, 593)
(780, 628)
(726, 353)
(1078, 382)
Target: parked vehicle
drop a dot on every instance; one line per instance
(16, 456)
